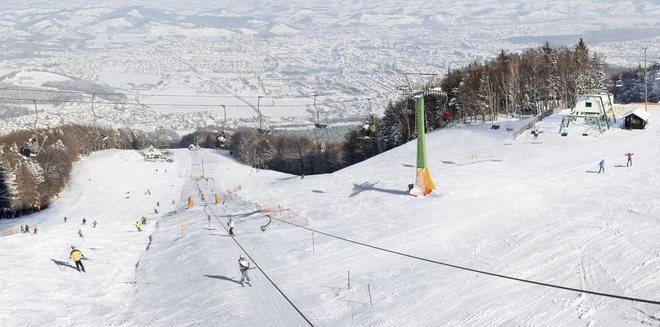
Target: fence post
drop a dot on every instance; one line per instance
(349, 279)
(369, 289)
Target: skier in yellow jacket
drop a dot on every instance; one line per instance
(137, 224)
(75, 255)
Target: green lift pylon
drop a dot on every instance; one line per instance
(423, 183)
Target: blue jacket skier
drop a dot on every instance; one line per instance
(602, 166)
(244, 266)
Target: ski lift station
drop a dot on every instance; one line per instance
(594, 108)
(153, 154)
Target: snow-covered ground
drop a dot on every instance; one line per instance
(528, 208)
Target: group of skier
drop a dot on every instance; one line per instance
(138, 224)
(601, 164)
(26, 229)
(77, 255)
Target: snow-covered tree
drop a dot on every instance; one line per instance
(8, 189)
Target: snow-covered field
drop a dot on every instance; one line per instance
(529, 208)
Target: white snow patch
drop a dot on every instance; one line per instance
(134, 13)
(248, 31)
(116, 23)
(35, 78)
(283, 29)
(257, 23)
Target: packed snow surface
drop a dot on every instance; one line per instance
(528, 208)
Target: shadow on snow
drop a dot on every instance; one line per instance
(366, 186)
(223, 278)
(63, 264)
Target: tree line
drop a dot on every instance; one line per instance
(532, 82)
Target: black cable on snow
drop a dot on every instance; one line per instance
(257, 265)
(461, 267)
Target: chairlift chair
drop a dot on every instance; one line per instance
(368, 128)
(587, 121)
(221, 141)
(32, 146)
(100, 136)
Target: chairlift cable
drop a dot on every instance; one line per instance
(608, 295)
(257, 265)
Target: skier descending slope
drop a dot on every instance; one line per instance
(601, 166)
(244, 266)
(75, 255)
(231, 227)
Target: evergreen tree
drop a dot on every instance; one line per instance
(583, 70)
(551, 80)
(597, 73)
(7, 183)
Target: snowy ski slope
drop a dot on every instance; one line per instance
(527, 208)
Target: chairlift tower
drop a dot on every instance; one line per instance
(224, 109)
(258, 110)
(318, 118)
(96, 134)
(423, 183)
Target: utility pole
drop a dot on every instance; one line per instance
(259, 111)
(646, 83)
(94, 119)
(36, 119)
(318, 121)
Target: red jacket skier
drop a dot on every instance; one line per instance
(629, 155)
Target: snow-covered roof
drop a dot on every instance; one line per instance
(639, 112)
